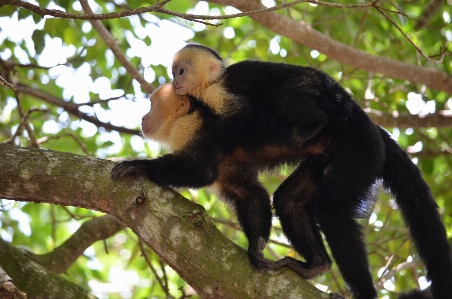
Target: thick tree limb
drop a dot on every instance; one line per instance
(304, 34)
(7, 288)
(177, 229)
(34, 279)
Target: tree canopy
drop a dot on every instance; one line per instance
(75, 77)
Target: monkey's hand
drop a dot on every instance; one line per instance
(126, 168)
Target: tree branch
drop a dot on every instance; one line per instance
(427, 13)
(111, 43)
(6, 84)
(34, 279)
(72, 108)
(442, 119)
(62, 257)
(304, 34)
(77, 16)
(7, 288)
(174, 227)
(158, 7)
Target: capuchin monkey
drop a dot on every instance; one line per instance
(241, 123)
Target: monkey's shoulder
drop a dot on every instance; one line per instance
(221, 100)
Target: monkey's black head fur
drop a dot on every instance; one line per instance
(205, 49)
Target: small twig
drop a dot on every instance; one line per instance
(72, 135)
(92, 103)
(393, 11)
(23, 124)
(388, 275)
(154, 271)
(388, 263)
(381, 10)
(6, 84)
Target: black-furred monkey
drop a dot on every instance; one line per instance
(245, 119)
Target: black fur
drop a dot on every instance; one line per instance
(300, 115)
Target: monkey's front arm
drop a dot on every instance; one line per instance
(195, 167)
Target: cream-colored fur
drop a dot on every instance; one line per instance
(177, 127)
(203, 80)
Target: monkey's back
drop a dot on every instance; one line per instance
(261, 83)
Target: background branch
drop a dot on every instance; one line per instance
(110, 41)
(62, 257)
(72, 108)
(36, 280)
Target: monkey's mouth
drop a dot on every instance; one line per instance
(180, 90)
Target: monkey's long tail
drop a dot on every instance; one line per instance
(419, 210)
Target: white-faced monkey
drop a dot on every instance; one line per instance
(244, 124)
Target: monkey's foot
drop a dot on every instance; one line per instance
(126, 168)
(256, 256)
(305, 270)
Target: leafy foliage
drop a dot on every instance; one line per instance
(68, 61)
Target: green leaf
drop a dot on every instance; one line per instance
(39, 41)
(147, 40)
(36, 18)
(7, 11)
(24, 13)
(66, 4)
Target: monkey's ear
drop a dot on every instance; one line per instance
(215, 70)
(183, 106)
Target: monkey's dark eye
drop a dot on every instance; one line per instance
(181, 71)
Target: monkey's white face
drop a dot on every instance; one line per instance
(183, 77)
(166, 108)
(193, 70)
(152, 121)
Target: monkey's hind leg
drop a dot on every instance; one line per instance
(341, 189)
(253, 209)
(295, 202)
